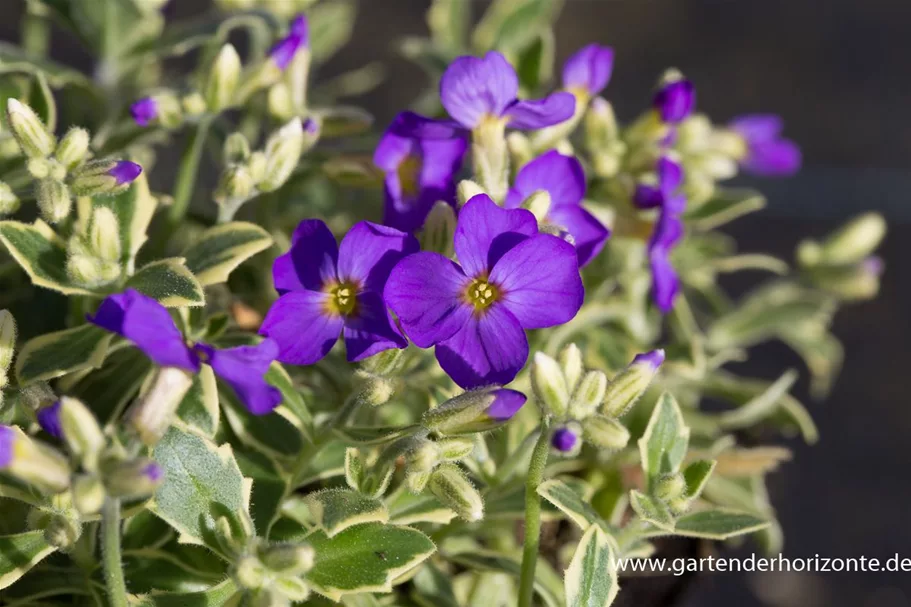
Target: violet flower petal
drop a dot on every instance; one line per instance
(371, 330)
(415, 126)
(125, 171)
(244, 369)
(541, 113)
(486, 231)
(147, 324)
(49, 420)
(7, 445)
(675, 101)
(589, 68)
(539, 281)
(560, 176)
(773, 158)
(506, 404)
(302, 327)
(368, 253)
(589, 234)
(758, 127)
(490, 349)
(144, 111)
(472, 88)
(311, 262)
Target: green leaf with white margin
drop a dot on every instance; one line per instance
(718, 524)
(365, 558)
(331, 24)
(55, 354)
(697, 475)
(219, 250)
(664, 443)
(216, 596)
(270, 486)
(134, 208)
(591, 579)
(547, 584)
(41, 253)
(761, 406)
(568, 501)
(651, 510)
(21, 552)
(275, 434)
(199, 407)
(198, 476)
(169, 282)
(725, 206)
(335, 510)
(407, 508)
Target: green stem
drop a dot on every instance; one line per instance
(113, 567)
(36, 34)
(186, 175)
(533, 514)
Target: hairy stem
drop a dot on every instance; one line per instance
(186, 175)
(533, 514)
(113, 567)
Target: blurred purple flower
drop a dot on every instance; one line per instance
(766, 154)
(298, 37)
(144, 111)
(589, 69)
(675, 100)
(49, 420)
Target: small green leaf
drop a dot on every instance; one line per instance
(365, 558)
(216, 596)
(170, 282)
(433, 588)
(761, 406)
(547, 585)
(718, 524)
(373, 435)
(151, 569)
(407, 508)
(568, 501)
(21, 552)
(697, 475)
(664, 443)
(331, 24)
(725, 206)
(219, 250)
(292, 396)
(651, 510)
(198, 476)
(41, 253)
(591, 579)
(335, 510)
(55, 354)
(199, 408)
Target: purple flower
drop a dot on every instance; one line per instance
(145, 322)
(506, 404)
(419, 172)
(329, 290)
(298, 37)
(564, 440)
(7, 446)
(653, 358)
(564, 179)
(665, 194)
(589, 70)
(144, 111)
(49, 420)
(766, 153)
(125, 171)
(665, 283)
(511, 278)
(675, 100)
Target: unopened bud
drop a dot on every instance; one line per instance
(439, 227)
(605, 432)
(631, 383)
(250, 573)
(852, 243)
(374, 389)
(9, 202)
(539, 204)
(466, 190)
(7, 343)
(91, 271)
(679, 505)
(570, 359)
(235, 184)
(385, 363)
(223, 79)
(236, 148)
(193, 104)
(105, 177)
(450, 485)
(88, 494)
(54, 200)
(32, 462)
(588, 395)
(549, 385)
(153, 412)
(79, 430)
(475, 411)
(855, 282)
(133, 479)
(289, 559)
(675, 98)
(73, 148)
(283, 149)
(163, 107)
(565, 439)
(600, 124)
(455, 448)
(257, 166)
(670, 486)
(281, 104)
(420, 463)
(104, 234)
(62, 532)
(34, 138)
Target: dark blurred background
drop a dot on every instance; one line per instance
(837, 71)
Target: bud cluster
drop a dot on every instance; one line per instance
(94, 250)
(272, 572)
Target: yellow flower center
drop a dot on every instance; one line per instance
(342, 298)
(482, 294)
(409, 172)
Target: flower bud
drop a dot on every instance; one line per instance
(7, 343)
(675, 98)
(257, 166)
(133, 479)
(570, 359)
(235, 184)
(88, 494)
(32, 462)
(153, 412)
(466, 190)
(250, 573)
(475, 411)
(281, 104)
(144, 111)
(450, 485)
(626, 388)
(374, 389)
(105, 177)
(490, 157)
(283, 149)
(539, 204)
(104, 234)
(54, 200)
(236, 148)
(565, 439)
(455, 448)
(71, 421)
(605, 432)
(670, 486)
(34, 138)
(588, 394)
(600, 124)
(62, 532)
(91, 271)
(852, 243)
(420, 463)
(9, 202)
(288, 559)
(549, 385)
(385, 363)
(193, 104)
(223, 79)
(439, 227)
(163, 107)
(73, 148)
